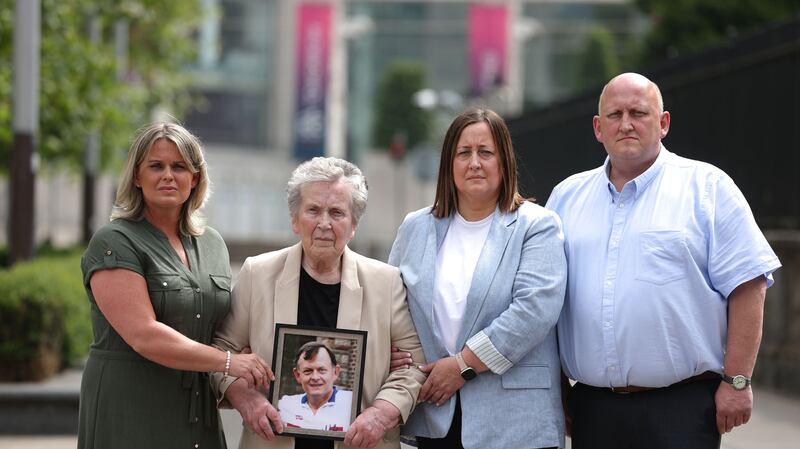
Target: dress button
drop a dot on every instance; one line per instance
(108, 253)
(198, 315)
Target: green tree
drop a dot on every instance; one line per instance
(79, 87)
(687, 26)
(396, 112)
(599, 61)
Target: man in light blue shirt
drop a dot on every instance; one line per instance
(667, 277)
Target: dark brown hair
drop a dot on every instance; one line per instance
(446, 196)
(310, 350)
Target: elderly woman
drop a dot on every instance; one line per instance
(321, 282)
(485, 272)
(159, 284)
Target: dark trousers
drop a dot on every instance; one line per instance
(675, 417)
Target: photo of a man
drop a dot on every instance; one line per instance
(322, 406)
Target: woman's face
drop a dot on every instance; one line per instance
(476, 165)
(324, 220)
(164, 177)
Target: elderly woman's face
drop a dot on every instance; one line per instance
(324, 220)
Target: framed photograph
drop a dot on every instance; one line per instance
(318, 378)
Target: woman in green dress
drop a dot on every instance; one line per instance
(159, 285)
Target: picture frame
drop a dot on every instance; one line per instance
(299, 394)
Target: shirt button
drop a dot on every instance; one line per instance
(198, 315)
(613, 368)
(164, 284)
(195, 420)
(621, 205)
(197, 289)
(196, 445)
(108, 253)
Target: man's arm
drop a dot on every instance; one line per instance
(745, 319)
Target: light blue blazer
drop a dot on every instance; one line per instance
(515, 298)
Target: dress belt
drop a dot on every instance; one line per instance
(200, 397)
(708, 375)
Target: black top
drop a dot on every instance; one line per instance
(318, 305)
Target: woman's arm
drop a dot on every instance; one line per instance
(122, 297)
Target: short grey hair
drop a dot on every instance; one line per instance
(328, 169)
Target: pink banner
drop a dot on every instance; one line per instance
(488, 47)
(312, 71)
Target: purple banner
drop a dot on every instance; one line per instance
(312, 71)
(488, 47)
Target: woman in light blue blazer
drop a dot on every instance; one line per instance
(485, 272)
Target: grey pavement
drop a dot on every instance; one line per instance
(775, 423)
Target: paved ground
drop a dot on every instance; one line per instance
(775, 423)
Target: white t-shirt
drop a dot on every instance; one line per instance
(455, 265)
(334, 415)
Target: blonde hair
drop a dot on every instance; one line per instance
(130, 204)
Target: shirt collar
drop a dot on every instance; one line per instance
(641, 182)
(304, 399)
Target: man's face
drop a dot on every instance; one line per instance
(630, 125)
(317, 376)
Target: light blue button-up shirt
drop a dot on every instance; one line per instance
(650, 271)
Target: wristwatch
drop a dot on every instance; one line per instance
(738, 382)
(466, 371)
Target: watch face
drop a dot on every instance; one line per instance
(468, 374)
(739, 382)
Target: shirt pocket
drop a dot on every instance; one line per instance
(662, 256)
(222, 294)
(163, 289)
(526, 376)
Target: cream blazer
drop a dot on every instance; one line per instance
(372, 298)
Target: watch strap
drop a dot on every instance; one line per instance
(462, 365)
(732, 380)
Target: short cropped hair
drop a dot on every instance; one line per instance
(328, 169)
(446, 200)
(309, 351)
(129, 203)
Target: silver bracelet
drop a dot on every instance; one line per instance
(227, 362)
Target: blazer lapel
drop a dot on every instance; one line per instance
(288, 287)
(350, 295)
(485, 270)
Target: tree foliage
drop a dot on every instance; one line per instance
(396, 112)
(598, 62)
(687, 26)
(80, 89)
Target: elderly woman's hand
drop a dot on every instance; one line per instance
(372, 424)
(444, 379)
(251, 368)
(257, 413)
